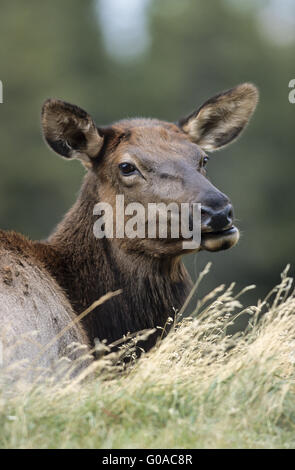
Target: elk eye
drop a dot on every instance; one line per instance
(205, 160)
(127, 168)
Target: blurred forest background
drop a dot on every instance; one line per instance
(123, 58)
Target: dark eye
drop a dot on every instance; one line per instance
(205, 160)
(127, 168)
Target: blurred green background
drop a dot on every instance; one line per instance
(123, 58)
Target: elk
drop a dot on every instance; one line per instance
(45, 285)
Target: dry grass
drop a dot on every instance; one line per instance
(200, 388)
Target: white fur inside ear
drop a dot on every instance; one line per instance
(82, 156)
(93, 144)
(94, 140)
(70, 131)
(221, 119)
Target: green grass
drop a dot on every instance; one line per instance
(198, 389)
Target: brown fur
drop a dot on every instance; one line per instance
(33, 310)
(170, 168)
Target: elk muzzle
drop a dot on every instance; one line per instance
(218, 231)
(213, 221)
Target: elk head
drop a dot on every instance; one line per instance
(152, 161)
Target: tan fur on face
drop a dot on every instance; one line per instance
(222, 118)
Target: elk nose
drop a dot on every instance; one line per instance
(216, 221)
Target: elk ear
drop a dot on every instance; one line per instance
(222, 118)
(70, 131)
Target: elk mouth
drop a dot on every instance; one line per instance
(220, 240)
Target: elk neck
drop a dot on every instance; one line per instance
(87, 268)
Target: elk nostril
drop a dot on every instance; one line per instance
(223, 219)
(230, 214)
